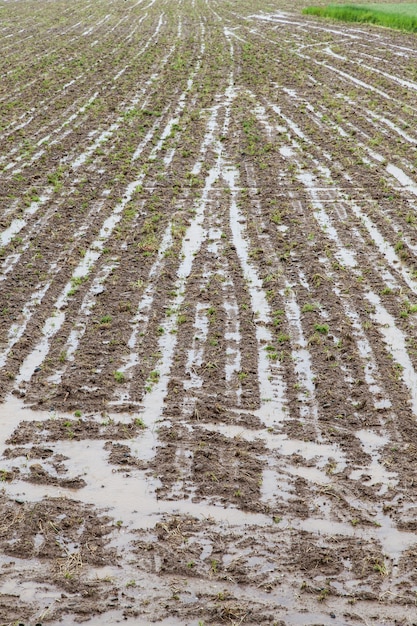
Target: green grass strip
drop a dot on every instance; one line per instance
(365, 14)
(404, 8)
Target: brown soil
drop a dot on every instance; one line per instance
(208, 328)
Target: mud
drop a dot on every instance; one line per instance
(208, 346)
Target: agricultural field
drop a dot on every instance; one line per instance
(208, 311)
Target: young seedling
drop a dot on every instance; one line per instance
(309, 307)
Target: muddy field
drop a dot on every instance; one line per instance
(208, 312)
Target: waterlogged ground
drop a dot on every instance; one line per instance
(209, 302)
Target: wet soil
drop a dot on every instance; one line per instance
(208, 328)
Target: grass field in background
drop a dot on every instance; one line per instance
(407, 8)
(400, 16)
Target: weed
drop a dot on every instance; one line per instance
(119, 377)
(310, 306)
(271, 353)
(276, 217)
(386, 291)
(381, 568)
(323, 594)
(317, 278)
(55, 179)
(63, 356)
(4, 475)
(273, 356)
(283, 338)
(154, 376)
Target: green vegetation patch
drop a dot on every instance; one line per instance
(407, 8)
(400, 16)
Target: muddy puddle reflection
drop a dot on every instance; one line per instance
(129, 496)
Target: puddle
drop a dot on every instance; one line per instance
(141, 319)
(396, 344)
(116, 617)
(393, 541)
(105, 135)
(129, 496)
(379, 475)
(321, 619)
(52, 324)
(195, 356)
(28, 592)
(260, 113)
(108, 133)
(18, 224)
(371, 372)
(13, 411)
(352, 79)
(402, 177)
(233, 337)
(85, 310)
(292, 125)
(274, 486)
(309, 450)
(272, 391)
(302, 359)
(385, 248)
(286, 151)
(17, 330)
(392, 126)
(193, 238)
(346, 257)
